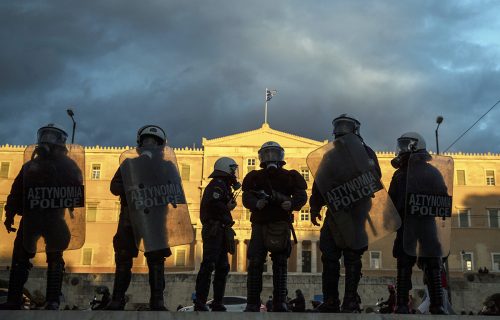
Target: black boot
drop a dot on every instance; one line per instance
(434, 285)
(254, 286)
(157, 285)
(330, 277)
(18, 276)
(280, 273)
(350, 304)
(203, 285)
(403, 287)
(123, 275)
(55, 272)
(219, 289)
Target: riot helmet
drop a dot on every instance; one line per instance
(151, 131)
(410, 142)
(52, 134)
(345, 124)
(271, 154)
(226, 165)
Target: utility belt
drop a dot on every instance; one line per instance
(216, 226)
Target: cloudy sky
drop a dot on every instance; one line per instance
(200, 68)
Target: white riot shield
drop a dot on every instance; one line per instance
(429, 190)
(346, 176)
(53, 198)
(156, 201)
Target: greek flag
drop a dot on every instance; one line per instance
(270, 94)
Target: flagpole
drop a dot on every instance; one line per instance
(265, 110)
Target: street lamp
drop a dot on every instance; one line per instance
(439, 120)
(71, 114)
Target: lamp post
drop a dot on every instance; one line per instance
(71, 114)
(439, 120)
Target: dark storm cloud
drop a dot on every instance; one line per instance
(199, 68)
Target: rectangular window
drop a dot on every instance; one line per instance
(2, 206)
(493, 218)
(250, 165)
(468, 261)
(185, 172)
(464, 218)
(305, 214)
(306, 261)
(305, 173)
(91, 212)
(4, 170)
(375, 259)
(495, 260)
(96, 171)
(490, 177)
(86, 256)
(461, 177)
(180, 257)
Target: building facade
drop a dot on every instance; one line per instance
(475, 221)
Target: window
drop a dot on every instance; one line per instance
(247, 215)
(495, 262)
(305, 214)
(4, 170)
(250, 165)
(92, 212)
(2, 206)
(305, 173)
(306, 261)
(87, 256)
(493, 218)
(467, 261)
(461, 177)
(96, 171)
(463, 218)
(185, 172)
(490, 177)
(375, 259)
(180, 257)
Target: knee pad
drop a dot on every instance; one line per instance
(55, 257)
(123, 258)
(352, 257)
(406, 261)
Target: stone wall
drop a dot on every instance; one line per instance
(468, 293)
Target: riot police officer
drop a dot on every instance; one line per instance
(271, 194)
(44, 216)
(415, 229)
(149, 137)
(218, 237)
(333, 243)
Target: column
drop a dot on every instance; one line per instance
(314, 256)
(241, 254)
(299, 256)
(198, 254)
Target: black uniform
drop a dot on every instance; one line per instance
(55, 231)
(283, 183)
(431, 266)
(215, 217)
(330, 244)
(126, 249)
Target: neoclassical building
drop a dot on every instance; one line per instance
(475, 221)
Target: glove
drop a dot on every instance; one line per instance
(9, 221)
(314, 216)
(286, 205)
(231, 204)
(261, 203)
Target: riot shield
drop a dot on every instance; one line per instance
(429, 190)
(53, 198)
(156, 201)
(346, 177)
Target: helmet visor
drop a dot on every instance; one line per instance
(52, 136)
(271, 155)
(343, 126)
(234, 170)
(406, 145)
